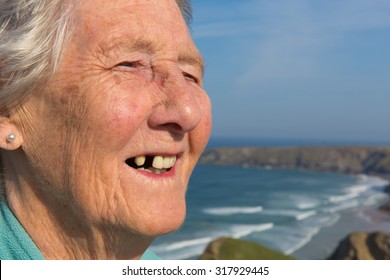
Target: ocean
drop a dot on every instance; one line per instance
(282, 209)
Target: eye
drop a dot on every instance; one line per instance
(190, 78)
(130, 64)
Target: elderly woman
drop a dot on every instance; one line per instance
(102, 120)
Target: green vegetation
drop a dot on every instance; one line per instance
(235, 249)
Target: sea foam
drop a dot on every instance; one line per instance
(227, 211)
(239, 231)
(298, 215)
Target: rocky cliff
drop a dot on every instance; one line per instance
(356, 246)
(351, 160)
(363, 246)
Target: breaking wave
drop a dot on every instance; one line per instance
(227, 211)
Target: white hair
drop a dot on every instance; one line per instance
(33, 35)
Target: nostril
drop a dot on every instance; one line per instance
(174, 127)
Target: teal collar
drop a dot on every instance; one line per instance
(15, 243)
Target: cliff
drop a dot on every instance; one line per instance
(234, 249)
(363, 246)
(350, 160)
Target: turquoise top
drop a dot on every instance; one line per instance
(16, 244)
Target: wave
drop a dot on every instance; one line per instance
(187, 243)
(372, 180)
(298, 215)
(184, 254)
(307, 205)
(305, 215)
(339, 198)
(288, 239)
(227, 211)
(366, 183)
(304, 202)
(343, 206)
(375, 198)
(325, 220)
(239, 231)
(306, 239)
(185, 249)
(364, 189)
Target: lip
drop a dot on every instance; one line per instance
(168, 174)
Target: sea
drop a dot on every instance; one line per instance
(281, 209)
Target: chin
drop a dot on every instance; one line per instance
(162, 222)
(168, 226)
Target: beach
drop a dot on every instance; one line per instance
(323, 244)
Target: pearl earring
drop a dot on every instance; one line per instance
(11, 137)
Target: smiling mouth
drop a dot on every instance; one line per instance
(152, 164)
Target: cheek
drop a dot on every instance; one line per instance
(200, 135)
(206, 123)
(120, 116)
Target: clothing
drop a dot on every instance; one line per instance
(16, 244)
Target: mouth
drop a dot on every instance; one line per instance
(155, 164)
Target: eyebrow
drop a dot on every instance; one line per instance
(195, 60)
(140, 45)
(150, 47)
(143, 46)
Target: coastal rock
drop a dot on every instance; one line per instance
(350, 160)
(387, 189)
(385, 207)
(226, 248)
(363, 246)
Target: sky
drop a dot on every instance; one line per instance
(297, 69)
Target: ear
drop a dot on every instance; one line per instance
(7, 129)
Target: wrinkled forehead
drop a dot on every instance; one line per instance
(158, 21)
(98, 14)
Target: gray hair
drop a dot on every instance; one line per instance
(33, 35)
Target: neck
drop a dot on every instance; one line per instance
(58, 228)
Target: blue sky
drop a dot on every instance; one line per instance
(297, 69)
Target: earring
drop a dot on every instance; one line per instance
(11, 137)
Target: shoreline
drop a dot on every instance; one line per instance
(363, 219)
(323, 244)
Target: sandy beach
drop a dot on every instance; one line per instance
(358, 220)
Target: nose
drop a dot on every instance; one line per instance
(177, 109)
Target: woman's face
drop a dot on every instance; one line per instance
(128, 90)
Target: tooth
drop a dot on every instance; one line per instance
(158, 171)
(139, 161)
(158, 162)
(167, 162)
(173, 161)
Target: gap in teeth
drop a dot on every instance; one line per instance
(152, 163)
